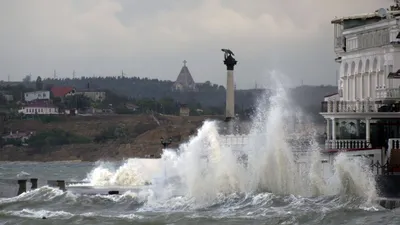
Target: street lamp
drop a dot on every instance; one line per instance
(165, 143)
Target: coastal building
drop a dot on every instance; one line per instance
(22, 137)
(36, 95)
(365, 112)
(184, 110)
(94, 95)
(184, 82)
(131, 107)
(39, 108)
(62, 91)
(8, 97)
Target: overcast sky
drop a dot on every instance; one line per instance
(151, 38)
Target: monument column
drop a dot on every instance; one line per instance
(230, 63)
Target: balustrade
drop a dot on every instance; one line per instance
(349, 106)
(387, 93)
(347, 144)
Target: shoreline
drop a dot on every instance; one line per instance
(74, 161)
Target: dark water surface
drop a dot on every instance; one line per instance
(145, 208)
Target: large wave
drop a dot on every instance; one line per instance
(207, 167)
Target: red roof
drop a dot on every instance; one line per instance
(61, 91)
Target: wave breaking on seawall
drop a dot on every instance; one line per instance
(206, 167)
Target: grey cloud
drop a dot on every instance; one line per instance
(152, 37)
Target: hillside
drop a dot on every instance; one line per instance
(208, 95)
(140, 137)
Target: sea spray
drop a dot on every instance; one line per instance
(132, 172)
(277, 161)
(354, 177)
(316, 174)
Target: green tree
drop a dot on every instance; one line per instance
(39, 83)
(77, 102)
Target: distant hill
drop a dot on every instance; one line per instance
(309, 98)
(208, 95)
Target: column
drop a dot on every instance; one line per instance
(354, 87)
(358, 128)
(230, 63)
(385, 71)
(369, 84)
(368, 129)
(362, 86)
(328, 129)
(230, 95)
(347, 88)
(333, 133)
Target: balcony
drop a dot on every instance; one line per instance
(347, 144)
(350, 106)
(387, 94)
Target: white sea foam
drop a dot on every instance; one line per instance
(132, 172)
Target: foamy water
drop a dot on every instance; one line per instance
(206, 167)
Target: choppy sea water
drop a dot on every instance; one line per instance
(241, 208)
(207, 181)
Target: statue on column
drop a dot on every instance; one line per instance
(229, 61)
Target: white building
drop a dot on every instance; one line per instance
(365, 113)
(96, 96)
(39, 108)
(36, 95)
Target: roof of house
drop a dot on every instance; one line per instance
(61, 91)
(90, 90)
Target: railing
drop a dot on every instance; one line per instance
(387, 93)
(350, 106)
(347, 144)
(387, 168)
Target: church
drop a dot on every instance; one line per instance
(184, 82)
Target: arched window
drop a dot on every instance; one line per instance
(353, 68)
(367, 66)
(360, 66)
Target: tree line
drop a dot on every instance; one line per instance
(157, 95)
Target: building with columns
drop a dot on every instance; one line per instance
(365, 112)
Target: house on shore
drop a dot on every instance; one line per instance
(39, 108)
(92, 94)
(36, 95)
(62, 91)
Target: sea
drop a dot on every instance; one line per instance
(205, 181)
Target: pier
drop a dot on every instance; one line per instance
(20, 186)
